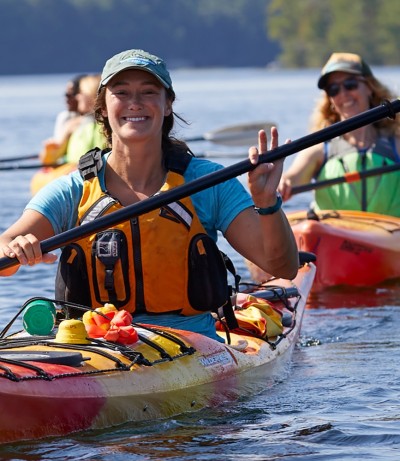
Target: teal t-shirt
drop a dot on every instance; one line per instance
(216, 207)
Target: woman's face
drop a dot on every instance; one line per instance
(70, 97)
(86, 95)
(136, 104)
(85, 102)
(348, 93)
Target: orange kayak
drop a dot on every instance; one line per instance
(46, 174)
(353, 248)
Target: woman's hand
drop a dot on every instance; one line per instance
(263, 181)
(26, 249)
(285, 188)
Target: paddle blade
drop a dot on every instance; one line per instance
(238, 135)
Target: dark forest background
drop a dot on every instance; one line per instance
(65, 36)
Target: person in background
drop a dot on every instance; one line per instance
(71, 111)
(89, 133)
(142, 264)
(80, 133)
(349, 88)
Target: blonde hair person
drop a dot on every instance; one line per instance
(80, 134)
(88, 134)
(71, 110)
(349, 88)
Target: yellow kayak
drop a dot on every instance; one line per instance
(47, 174)
(66, 382)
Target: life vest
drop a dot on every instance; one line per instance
(84, 138)
(160, 262)
(377, 194)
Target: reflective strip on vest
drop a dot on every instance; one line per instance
(98, 209)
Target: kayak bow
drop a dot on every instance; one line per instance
(52, 386)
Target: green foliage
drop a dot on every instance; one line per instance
(310, 30)
(78, 35)
(42, 36)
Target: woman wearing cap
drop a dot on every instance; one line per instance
(349, 89)
(143, 265)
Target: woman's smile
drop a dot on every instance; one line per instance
(135, 119)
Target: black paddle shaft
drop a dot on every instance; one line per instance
(352, 176)
(388, 109)
(29, 166)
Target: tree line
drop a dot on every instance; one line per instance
(65, 36)
(308, 31)
(78, 35)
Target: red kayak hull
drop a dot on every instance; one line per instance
(352, 248)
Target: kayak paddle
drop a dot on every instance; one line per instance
(28, 166)
(236, 135)
(388, 109)
(245, 134)
(352, 176)
(33, 166)
(17, 159)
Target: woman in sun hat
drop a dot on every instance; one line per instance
(349, 88)
(152, 265)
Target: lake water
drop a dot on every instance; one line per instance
(340, 399)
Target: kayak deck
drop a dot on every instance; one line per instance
(48, 388)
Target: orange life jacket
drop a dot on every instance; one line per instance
(160, 262)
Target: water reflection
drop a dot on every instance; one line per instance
(386, 294)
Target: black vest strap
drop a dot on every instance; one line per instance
(177, 161)
(91, 163)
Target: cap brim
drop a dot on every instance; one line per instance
(109, 77)
(339, 67)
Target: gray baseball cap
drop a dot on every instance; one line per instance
(136, 59)
(343, 62)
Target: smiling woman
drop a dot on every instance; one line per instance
(349, 89)
(170, 248)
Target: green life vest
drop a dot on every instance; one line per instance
(83, 139)
(378, 194)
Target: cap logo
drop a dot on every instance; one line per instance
(138, 61)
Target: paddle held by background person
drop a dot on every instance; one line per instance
(350, 88)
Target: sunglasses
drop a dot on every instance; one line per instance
(349, 84)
